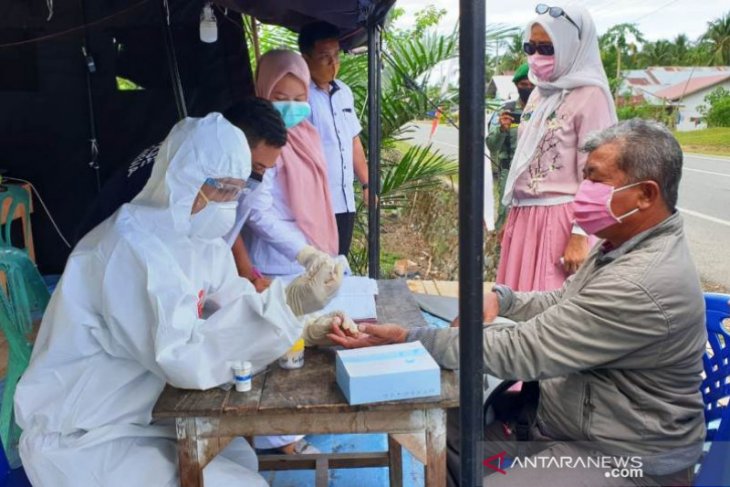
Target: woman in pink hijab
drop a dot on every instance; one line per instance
(297, 221)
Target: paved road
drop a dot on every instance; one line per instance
(704, 200)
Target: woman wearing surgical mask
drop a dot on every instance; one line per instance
(298, 227)
(542, 245)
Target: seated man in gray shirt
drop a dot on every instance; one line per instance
(618, 350)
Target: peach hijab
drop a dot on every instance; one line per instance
(303, 171)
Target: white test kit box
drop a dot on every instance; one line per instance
(387, 373)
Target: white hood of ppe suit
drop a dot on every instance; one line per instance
(195, 149)
(126, 319)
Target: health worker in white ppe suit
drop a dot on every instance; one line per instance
(151, 296)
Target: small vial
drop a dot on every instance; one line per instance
(294, 357)
(242, 376)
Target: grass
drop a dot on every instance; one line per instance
(714, 141)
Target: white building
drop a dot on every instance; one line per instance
(502, 88)
(683, 87)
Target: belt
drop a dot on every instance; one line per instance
(550, 201)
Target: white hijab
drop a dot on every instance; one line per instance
(577, 63)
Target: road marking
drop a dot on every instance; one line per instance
(717, 158)
(707, 172)
(705, 217)
(444, 143)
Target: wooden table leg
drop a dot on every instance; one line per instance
(195, 448)
(435, 448)
(395, 462)
(191, 471)
(322, 472)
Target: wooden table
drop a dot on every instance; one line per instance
(309, 401)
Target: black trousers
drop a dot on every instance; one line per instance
(345, 227)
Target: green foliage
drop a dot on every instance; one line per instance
(712, 98)
(647, 111)
(719, 114)
(718, 39)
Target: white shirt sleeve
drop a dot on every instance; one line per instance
(266, 223)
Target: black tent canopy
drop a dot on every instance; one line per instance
(48, 95)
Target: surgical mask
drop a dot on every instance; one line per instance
(293, 112)
(592, 206)
(524, 94)
(214, 221)
(541, 66)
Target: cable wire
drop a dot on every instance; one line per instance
(43, 204)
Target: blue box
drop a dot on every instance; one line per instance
(387, 373)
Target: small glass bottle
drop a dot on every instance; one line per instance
(294, 357)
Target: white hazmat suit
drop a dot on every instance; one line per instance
(126, 318)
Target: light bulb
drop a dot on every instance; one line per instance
(208, 25)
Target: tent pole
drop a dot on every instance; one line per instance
(374, 135)
(182, 110)
(471, 236)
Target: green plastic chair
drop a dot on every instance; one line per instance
(18, 196)
(24, 294)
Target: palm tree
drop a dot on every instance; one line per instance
(625, 39)
(659, 53)
(681, 50)
(718, 37)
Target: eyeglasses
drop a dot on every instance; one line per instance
(223, 189)
(556, 12)
(531, 48)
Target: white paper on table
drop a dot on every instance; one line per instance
(356, 297)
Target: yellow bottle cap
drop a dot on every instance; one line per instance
(298, 346)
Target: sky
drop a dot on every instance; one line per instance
(657, 19)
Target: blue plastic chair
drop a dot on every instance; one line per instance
(715, 467)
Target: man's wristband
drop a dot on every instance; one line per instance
(365, 186)
(256, 273)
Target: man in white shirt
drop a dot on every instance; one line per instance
(334, 116)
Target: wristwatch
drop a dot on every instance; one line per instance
(365, 186)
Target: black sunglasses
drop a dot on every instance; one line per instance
(531, 48)
(556, 12)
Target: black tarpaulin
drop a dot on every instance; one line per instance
(45, 117)
(349, 15)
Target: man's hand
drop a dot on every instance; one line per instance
(490, 310)
(505, 121)
(261, 284)
(575, 253)
(369, 336)
(366, 197)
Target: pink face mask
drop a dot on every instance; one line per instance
(541, 66)
(592, 206)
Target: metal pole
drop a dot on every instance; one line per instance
(374, 67)
(471, 235)
(182, 110)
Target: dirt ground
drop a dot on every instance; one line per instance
(401, 242)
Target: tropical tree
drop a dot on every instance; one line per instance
(717, 37)
(659, 53)
(623, 40)
(682, 48)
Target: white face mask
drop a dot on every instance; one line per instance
(214, 221)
